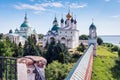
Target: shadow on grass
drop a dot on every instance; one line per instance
(116, 70)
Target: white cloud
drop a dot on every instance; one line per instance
(41, 7)
(116, 16)
(75, 5)
(28, 6)
(52, 4)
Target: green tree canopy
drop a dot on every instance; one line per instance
(83, 37)
(40, 36)
(81, 48)
(119, 54)
(99, 41)
(115, 48)
(6, 47)
(58, 51)
(57, 71)
(30, 47)
(1, 35)
(10, 31)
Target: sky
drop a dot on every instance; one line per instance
(41, 13)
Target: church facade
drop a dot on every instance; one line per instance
(21, 35)
(67, 33)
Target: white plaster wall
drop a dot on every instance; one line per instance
(22, 71)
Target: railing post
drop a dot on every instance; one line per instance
(8, 68)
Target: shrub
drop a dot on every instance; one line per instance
(99, 41)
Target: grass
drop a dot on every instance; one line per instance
(104, 65)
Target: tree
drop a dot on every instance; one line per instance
(15, 50)
(99, 41)
(119, 53)
(47, 45)
(1, 35)
(81, 48)
(30, 47)
(57, 51)
(40, 36)
(10, 31)
(115, 48)
(57, 71)
(5, 47)
(83, 37)
(26, 49)
(20, 49)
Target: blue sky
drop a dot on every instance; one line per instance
(41, 13)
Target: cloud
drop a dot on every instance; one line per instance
(28, 6)
(116, 16)
(52, 4)
(40, 7)
(75, 5)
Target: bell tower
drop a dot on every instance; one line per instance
(92, 40)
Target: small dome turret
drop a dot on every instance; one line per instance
(72, 20)
(92, 26)
(75, 21)
(16, 30)
(55, 22)
(66, 22)
(62, 20)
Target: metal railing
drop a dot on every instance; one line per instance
(82, 70)
(8, 68)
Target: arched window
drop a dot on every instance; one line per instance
(62, 38)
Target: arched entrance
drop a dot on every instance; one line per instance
(52, 40)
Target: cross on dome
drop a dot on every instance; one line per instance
(26, 17)
(68, 15)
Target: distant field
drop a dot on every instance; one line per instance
(104, 65)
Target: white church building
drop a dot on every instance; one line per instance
(67, 33)
(21, 35)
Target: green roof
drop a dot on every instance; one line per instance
(55, 28)
(92, 26)
(24, 24)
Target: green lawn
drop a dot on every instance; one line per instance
(105, 66)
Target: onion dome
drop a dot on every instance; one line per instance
(16, 30)
(62, 20)
(55, 20)
(92, 26)
(68, 16)
(72, 20)
(75, 21)
(25, 23)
